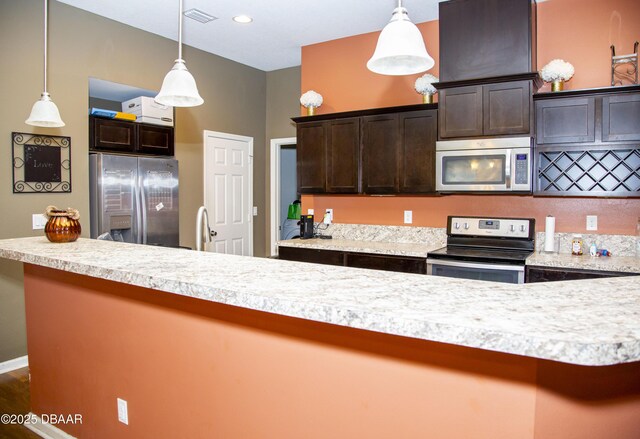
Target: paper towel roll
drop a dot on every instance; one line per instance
(549, 234)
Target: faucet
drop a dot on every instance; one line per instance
(202, 219)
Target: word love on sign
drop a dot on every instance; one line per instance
(41, 163)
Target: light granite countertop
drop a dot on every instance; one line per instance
(627, 264)
(595, 322)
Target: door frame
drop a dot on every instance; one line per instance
(249, 142)
(276, 146)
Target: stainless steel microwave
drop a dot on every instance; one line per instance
(484, 165)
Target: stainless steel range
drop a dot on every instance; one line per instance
(482, 248)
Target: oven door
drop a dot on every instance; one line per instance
(513, 274)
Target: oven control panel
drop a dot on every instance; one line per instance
(490, 227)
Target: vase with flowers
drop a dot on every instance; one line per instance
(557, 72)
(311, 100)
(424, 86)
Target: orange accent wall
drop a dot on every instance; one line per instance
(190, 368)
(579, 31)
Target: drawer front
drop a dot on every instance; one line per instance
(327, 257)
(547, 274)
(387, 263)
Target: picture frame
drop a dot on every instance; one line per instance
(41, 163)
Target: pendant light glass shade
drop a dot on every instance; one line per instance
(400, 49)
(179, 88)
(44, 112)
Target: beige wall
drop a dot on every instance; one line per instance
(83, 45)
(283, 94)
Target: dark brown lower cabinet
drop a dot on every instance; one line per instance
(552, 274)
(403, 264)
(327, 257)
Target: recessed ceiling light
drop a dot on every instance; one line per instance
(242, 19)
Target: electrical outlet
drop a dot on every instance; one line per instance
(123, 411)
(38, 221)
(328, 218)
(310, 211)
(592, 222)
(408, 216)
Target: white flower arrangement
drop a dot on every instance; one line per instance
(311, 99)
(557, 70)
(424, 84)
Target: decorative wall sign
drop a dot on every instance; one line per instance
(41, 163)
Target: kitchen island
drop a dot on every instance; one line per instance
(210, 345)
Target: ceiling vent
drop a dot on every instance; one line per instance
(198, 15)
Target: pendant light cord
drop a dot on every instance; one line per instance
(179, 32)
(46, 15)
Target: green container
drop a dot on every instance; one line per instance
(294, 211)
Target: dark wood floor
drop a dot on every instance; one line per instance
(15, 399)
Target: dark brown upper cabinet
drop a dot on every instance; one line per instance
(377, 151)
(569, 120)
(120, 136)
(112, 135)
(311, 157)
(418, 130)
(155, 139)
(380, 146)
(587, 142)
(621, 118)
(497, 109)
(343, 156)
(486, 38)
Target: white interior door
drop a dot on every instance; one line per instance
(228, 170)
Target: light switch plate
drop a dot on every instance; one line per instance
(38, 221)
(408, 216)
(123, 411)
(255, 210)
(310, 211)
(592, 222)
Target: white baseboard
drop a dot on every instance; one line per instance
(16, 363)
(46, 431)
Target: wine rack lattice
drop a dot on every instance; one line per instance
(589, 171)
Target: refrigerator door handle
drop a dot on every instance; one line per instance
(138, 211)
(143, 209)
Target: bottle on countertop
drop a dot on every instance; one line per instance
(593, 249)
(576, 245)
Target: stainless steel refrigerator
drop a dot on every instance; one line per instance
(134, 199)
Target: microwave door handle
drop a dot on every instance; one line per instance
(507, 169)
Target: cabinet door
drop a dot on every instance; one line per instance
(507, 108)
(112, 135)
(565, 120)
(460, 112)
(621, 118)
(155, 139)
(418, 132)
(343, 156)
(380, 141)
(388, 263)
(311, 157)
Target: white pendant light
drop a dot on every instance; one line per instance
(400, 49)
(179, 88)
(44, 112)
